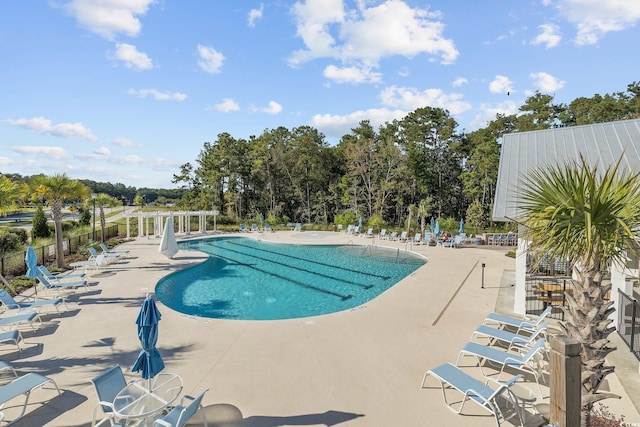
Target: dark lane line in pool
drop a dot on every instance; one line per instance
(326, 276)
(314, 262)
(296, 282)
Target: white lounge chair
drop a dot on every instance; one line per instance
(451, 376)
(91, 263)
(383, 234)
(106, 250)
(530, 362)
(107, 257)
(392, 236)
(369, 233)
(23, 385)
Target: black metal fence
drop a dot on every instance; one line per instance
(542, 291)
(13, 265)
(628, 322)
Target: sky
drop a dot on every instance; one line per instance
(127, 91)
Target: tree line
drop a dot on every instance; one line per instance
(416, 167)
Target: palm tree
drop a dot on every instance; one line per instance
(588, 216)
(56, 190)
(103, 200)
(9, 194)
(424, 210)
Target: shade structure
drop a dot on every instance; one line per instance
(437, 228)
(432, 226)
(261, 218)
(149, 361)
(360, 223)
(168, 243)
(461, 230)
(31, 260)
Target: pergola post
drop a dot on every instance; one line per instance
(565, 387)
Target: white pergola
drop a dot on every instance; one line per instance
(601, 143)
(152, 223)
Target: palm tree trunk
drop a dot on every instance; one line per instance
(56, 214)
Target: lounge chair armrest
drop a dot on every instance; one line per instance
(162, 423)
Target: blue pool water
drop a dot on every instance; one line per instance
(258, 280)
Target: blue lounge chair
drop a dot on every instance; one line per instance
(57, 286)
(23, 385)
(49, 275)
(13, 336)
(267, 228)
(11, 304)
(512, 339)
(402, 238)
(243, 228)
(369, 233)
(181, 414)
(298, 227)
(417, 239)
(522, 323)
(392, 236)
(383, 234)
(27, 317)
(530, 362)
(254, 227)
(473, 389)
(108, 384)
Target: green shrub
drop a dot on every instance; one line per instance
(9, 242)
(20, 233)
(40, 228)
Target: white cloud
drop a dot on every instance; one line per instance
(549, 36)
(254, 15)
(210, 59)
(227, 105)
(109, 17)
(459, 81)
(335, 126)
(157, 95)
(410, 98)
(57, 153)
(546, 82)
(488, 113)
(273, 108)
(594, 18)
(5, 161)
(121, 141)
(351, 75)
(63, 130)
(365, 35)
(501, 84)
(132, 58)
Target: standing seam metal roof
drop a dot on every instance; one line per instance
(599, 143)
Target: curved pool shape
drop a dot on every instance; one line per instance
(257, 280)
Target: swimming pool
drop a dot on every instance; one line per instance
(250, 279)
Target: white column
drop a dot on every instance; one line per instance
(520, 295)
(619, 281)
(140, 226)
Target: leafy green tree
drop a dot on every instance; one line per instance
(39, 227)
(475, 217)
(424, 210)
(539, 112)
(56, 190)
(589, 216)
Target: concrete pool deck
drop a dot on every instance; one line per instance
(360, 367)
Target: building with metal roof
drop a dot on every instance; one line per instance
(601, 144)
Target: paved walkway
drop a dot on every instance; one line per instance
(358, 368)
